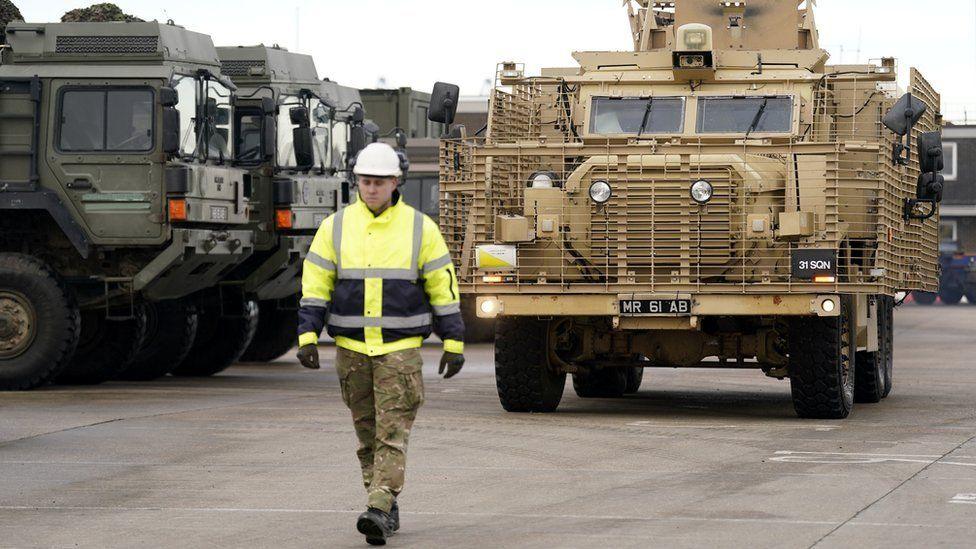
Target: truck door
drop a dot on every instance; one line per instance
(103, 142)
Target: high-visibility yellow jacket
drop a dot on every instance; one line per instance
(380, 283)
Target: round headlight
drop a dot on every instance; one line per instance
(600, 192)
(542, 180)
(702, 191)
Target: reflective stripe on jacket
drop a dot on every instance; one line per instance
(380, 284)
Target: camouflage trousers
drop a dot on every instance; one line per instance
(384, 394)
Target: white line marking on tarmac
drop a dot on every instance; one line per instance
(851, 458)
(969, 499)
(519, 516)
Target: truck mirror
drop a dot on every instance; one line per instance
(905, 114)
(223, 116)
(401, 139)
(171, 130)
(358, 115)
(269, 133)
(268, 106)
(304, 154)
(299, 117)
(168, 97)
(372, 131)
(443, 103)
(930, 187)
(930, 152)
(357, 142)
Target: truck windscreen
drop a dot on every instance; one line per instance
(745, 114)
(637, 115)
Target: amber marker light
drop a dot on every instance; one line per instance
(283, 219)
(492, 279)
(824, 279)
(177, 209)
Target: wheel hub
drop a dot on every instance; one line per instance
(17, 324)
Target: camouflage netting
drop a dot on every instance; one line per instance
(8, 13)
(97, 13)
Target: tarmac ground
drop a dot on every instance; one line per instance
(263, 456)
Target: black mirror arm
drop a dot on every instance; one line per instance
(912, 203)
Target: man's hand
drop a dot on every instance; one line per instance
(452, 362)
(309, 357)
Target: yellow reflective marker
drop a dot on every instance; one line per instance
(496, 258)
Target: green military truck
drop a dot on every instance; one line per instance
(294, 133)
(118, 200)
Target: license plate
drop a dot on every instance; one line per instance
(665, 307)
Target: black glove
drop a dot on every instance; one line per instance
(453, 363)
(309, 357)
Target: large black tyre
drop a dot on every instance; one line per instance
(39, 323)
(635, 376)
(950, 296)
(220, 341)
(106, 348)
(872, 373)
(822, 365)
(525, 381)
(601, 383)
(277, 331)
(924, 298)
(889, 343)
(171, 328)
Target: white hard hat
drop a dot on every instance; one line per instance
(378, 160)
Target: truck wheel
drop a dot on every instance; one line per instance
(635, 376)
(889, 342)
(924, 298)
(525, 382)
(39, 323)
(220, 341)
(870, 377)
(822, 355)
(106, 348)
(277, 331)
(601, 383)
(950, 296)
(171, 327)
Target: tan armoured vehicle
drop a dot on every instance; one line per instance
(720, 197)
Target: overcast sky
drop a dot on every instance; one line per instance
(416, 42)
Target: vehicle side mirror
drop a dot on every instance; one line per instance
(321, 114)
(372, 131)
(401, 139)
(171, 130)
(299, 117)
(930, 187)
(444, 103)
(268, 106)
(304, 152)
(269, 133)
(905, 114)
(358, 115)
(223, 116)
(357, 142)
(930, 152)
(168, 97)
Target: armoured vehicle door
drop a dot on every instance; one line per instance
(101, 141)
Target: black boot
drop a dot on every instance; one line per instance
(395, 517)
(375, 525)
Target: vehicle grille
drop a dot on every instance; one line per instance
(107, 44)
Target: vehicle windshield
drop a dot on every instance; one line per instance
(745, 114)
(219, 106)
(637, 115)
(248, 147)
(321, 122)
(193, 132)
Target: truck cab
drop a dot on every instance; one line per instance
(117, 193)
(293, 135)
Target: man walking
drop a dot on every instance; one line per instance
(380, 278)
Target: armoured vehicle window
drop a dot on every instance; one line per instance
(745, 114)
(218, 97)
(626, 115)
(321, 133)
(186, 87)
(106, 120)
